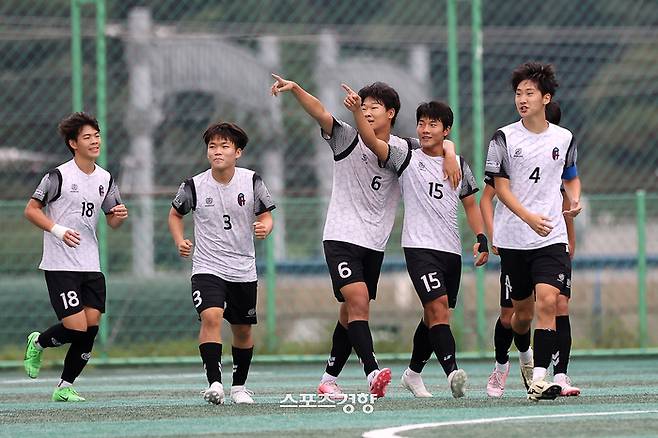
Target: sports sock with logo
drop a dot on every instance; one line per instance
(241, 362)
(422, 348)
(443, 344)
(361, 339)
(341, 348)
(211, 355)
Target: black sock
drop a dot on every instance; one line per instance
(211, 355)
(79, 353)
(563, 344)
(443, 344)
(55, 336)
(341, 348)
(545, 341)
(502, 342)
(241, 361)
(422, 349)
(361, 339)
(522, 341)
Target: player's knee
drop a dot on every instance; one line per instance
(506, 318)
(437, 311)
(211, 320)
(562, 305)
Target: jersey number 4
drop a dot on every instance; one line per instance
(535, 175)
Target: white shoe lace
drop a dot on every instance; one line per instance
(495, 380)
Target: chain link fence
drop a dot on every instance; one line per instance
(173, 67)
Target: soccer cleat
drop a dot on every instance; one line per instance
(565, 383)
(457, 380)
(241, 395)
(214, 394)
(380, 381)
(414, 383)
(32, 359)
(496, 384)
(526, 371)
(66, 394)
(331, 387)
(543, 390)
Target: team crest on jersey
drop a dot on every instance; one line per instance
(209, 202)
(74, 188)
(556, 153)
(518, 153)
(241, 200)
(101, 190)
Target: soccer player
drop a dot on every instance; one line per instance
(528, 159)
(503, 333)
(360, 218)
(430, 236)
(229, 205)
(73, 195)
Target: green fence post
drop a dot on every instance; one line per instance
(453, 70)
(640, 197)
(478, 161)
(270, 278)
(76, 56)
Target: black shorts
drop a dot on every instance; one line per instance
(434, 273)
(71, 291)
(237, 299)
(349, 263)
(527, 268)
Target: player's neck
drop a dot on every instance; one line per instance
(223, 176)
(86, 165)
(434, 151)
(536, 124)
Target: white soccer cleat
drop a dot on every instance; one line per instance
(457, 380)
(526, 371)
(565, 383)
(543, 390)
(214, 394)
(414, 383)
(496, 384)
(332, 389)
(241, 395)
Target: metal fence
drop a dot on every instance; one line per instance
(158, 72)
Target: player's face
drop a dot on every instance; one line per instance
(431, 132)
(376, 114)
(222, 153)
(529, 100)
(88, 143)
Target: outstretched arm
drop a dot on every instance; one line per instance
(353, 103)
(310, 103)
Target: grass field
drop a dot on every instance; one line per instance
(620, 399)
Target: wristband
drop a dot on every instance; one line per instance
(482, 240)
(59, 231)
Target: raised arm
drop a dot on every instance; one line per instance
(353, 103)
(451, 167)
(310, 103)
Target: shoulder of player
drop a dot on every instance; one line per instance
(560, 132)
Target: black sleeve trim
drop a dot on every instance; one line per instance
(58, 175)
(190, 182)
(107, 192)
(475, 190)
(347, 151)
(489, 181)
(177, 209)
(407, 159)
(498, 174)
(326, 135)
(40, 201)
(566, 166)
(270, 208)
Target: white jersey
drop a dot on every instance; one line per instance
(430, 203)
(224, 215)
(75, 200)
(365, 194)
(534, 164)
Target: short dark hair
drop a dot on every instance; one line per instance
(229, 131)
(553, 112)
(543, 75)
(435, 110)
(69, 128)
(384, 94)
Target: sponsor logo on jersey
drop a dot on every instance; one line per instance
(560, 278)
(101, 190)
(209, 202)
(74, 188)
(421, 165)
(568, 283)
(85, 356)
(241, 200)
(251, 312)
(556, 153)
(518, 153)
(364, 158)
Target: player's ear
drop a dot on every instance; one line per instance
(547, 98)
(446, 131)
(238, 152)
(390, 113)
(73, 144)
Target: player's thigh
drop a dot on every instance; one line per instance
(345, 262)
(208, 292)
(94, 293)
(518, 278)
(427, 271)
(551, 265)
(241, 303)
(64, 290)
